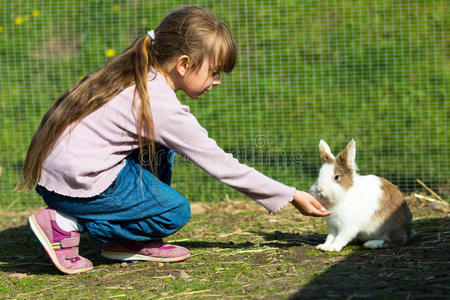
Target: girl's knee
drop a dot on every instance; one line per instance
(182, 213)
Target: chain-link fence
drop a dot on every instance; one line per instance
(377, 71)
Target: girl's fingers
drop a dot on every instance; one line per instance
(308, 205)
(316, 209)
(314, 212)
(317, 205)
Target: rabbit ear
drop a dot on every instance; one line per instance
(325, 152)
(347, 157)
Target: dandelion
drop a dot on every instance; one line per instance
(35, 13)
(110, 53)
(1, 28)
(18, 20)
(115, 8)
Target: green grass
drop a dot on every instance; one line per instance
(374, 70)
(238, 251)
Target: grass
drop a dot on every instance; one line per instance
(374, 70)
(239, 251)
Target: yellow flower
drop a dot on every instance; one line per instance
(35, 13)
(115, 8)
(110, 53)
(1, 28)
(18, 20)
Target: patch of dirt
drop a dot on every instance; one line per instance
(227, 206)
(238, 250)
(418, 270)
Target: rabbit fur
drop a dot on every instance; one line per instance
(368, 208)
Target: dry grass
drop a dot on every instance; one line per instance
(239, 251)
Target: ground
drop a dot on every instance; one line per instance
(240, 251)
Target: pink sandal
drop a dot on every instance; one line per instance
(61, 246)
(155, 251)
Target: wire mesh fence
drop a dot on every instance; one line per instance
(376, 71)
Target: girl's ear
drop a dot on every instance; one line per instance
(325, 152)
(182, 65)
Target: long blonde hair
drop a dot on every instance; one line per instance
(189, 30)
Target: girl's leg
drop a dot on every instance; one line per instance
(138, 206)
(165, 157)
(66, 222)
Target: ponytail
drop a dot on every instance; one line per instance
(86, 96)
(147, 145)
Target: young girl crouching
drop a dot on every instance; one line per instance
(102, 156)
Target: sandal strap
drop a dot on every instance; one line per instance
(72, 253)
(70, 242)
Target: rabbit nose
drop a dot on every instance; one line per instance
(320, 190)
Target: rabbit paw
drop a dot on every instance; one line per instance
(322, 247)
(335, 248)
(375, 244)
(328, 248)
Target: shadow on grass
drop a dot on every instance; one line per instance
(292, 239)
(21, 252)
(205, 244)
(274, 239)
(418, 270)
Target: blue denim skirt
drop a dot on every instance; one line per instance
(137, 206)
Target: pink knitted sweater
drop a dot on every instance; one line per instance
(86, 160)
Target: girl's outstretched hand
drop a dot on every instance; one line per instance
(308, 205)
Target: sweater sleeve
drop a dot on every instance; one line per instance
(181, 132)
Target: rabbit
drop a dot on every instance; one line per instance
(367, 208)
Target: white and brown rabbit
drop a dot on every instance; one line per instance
(367, 208)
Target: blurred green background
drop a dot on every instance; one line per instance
(377, 71)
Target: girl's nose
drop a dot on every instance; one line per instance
(216, 78)
(216, 81)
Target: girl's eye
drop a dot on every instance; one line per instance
(216, 75)
(337, 177)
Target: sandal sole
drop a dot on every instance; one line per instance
(123, 256)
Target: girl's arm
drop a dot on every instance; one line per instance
(308, 205)
(179, 130)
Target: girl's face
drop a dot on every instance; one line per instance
(201, 81)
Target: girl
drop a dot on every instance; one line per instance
(102, 155)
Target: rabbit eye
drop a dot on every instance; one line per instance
(337, 177)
